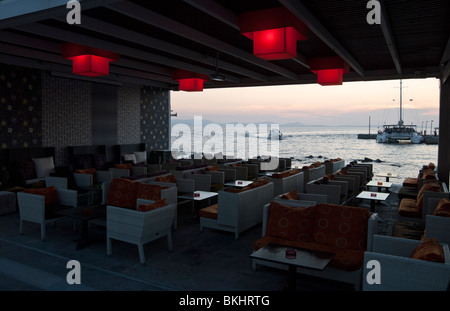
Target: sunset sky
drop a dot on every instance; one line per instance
(349, 104)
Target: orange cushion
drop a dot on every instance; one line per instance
(411, 182)
(209, 212)
(430, 250)
(149, 191)
(427, 186)
(127, 166)
(409, 208)
(341, 226)
(429, 174)
(443, 208)
(50, 194)
(258, 183)
(91, 171)
(291, 223)
(122, 193)
(145, 207)
(169, 178)
(292, 195)
(212, 168)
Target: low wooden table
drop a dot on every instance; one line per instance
(305, 258)
(373, 197)
(85, 214)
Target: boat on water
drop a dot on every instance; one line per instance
(275, 134)
(400, 132)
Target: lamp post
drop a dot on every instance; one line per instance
(431, 127)
(422, 127)
(426, 126)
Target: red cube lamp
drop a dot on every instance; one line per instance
(87, 61)
(190, 81)
(329, 70)
(274, 32)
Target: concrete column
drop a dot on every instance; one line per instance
(444, 132)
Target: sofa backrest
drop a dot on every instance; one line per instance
(244, 208)
(124, 192)
(341, 226)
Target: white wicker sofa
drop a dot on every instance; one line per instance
(335, 190)
(347, 265)
(237, 211)
(399, 272)
(32, 206)
(333, 165)
(138, 227)
(286, 181)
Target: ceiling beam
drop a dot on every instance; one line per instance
(226, 16)
(152, 18)
(62, 35)
(389, 37)
(446, 56)
(57, 59)
(54, 47)
(125, 34)
(302, 13)
(214, 9)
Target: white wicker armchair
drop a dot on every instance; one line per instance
(138, 227)
(32, 208)
(399, 272)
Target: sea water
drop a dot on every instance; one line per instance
(306, 145)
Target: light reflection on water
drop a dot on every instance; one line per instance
(306, 145)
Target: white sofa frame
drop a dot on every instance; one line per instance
(238, 212)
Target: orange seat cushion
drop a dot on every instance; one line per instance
(169, 178)
(409, 208)
(429, 250)
(443, 208)
(292, 195)
(433, 186)
(411, 182)
(49, 193)
(122, 193)
(291, 223)
(341, 226)
(145, 207)
(209, 212)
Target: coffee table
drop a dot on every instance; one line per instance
(239, 183)
(373, 197)
(198, 196)
(387, 175)
(85, 214)
(379, 184)
(305, 258)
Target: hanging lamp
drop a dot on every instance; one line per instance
(274, 32)
(88, 61)
(329, 70)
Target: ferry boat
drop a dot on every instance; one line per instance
(399, 132)
(275, 134)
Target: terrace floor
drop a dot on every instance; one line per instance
(200, 261)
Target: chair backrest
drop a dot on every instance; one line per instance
(58, 182)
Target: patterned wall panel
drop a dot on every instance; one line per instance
(20, 107)
(155, 113)
(66, 114)
(128, 114)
